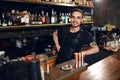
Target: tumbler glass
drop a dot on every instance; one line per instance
(43, 62)
(114, 46)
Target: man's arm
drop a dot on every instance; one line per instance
(92, 50)
(55, 39)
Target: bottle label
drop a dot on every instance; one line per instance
(52, 20)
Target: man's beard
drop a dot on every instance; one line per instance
(74, 26)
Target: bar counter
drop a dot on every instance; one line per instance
(56, 73)
(105, 69)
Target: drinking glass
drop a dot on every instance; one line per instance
(114, 46)
(43, 62)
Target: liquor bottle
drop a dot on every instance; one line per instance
(69, 19)
(54, 1)
(47, 18)
(14, 17)
(69, 1)
(35, 19)
(0, 22)
(47, 0)
(53, 17)
(62, 1)
(4, 21)
(66, 18)
(63, 18)
(77, 2)
(18, 17)
(39, 19)
(81, 2)
(84, 2)
(60, 17)
(43, 17)
(56, 17)
(22, 18)
(32, 19)
(91, 3)
(9, 19)
(59, 1)
(84, 17)
(27, 18)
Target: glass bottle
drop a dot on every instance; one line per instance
(35, 19)
(39, 19)
(56, 18)
(53, 17)
(9, 19)
(4, 21)
(47, 18)
(43, 17)
(0, 22)
(14, 17)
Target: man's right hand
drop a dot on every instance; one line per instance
(58, 48)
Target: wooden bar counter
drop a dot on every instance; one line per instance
(106, 69)
(56, 73)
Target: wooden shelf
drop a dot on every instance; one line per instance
(39, 26)
(50, 3)
(32, 26)
(43, 29)
(28, 30)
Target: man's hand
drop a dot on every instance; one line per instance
(58, 47)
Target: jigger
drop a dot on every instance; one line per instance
(81, 60)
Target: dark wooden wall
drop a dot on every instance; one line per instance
(107, 12)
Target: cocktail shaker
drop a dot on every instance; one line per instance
(79, 60)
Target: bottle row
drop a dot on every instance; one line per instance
(77, 2)
(16, 17)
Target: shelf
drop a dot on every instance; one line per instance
(50, 3)
(38, 26)
(42, 29)
(32, 26)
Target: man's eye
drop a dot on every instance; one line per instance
(78, 17)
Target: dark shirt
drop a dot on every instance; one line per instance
(71, 42)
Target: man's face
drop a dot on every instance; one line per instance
(76, 19)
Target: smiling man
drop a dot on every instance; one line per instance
(70, 40)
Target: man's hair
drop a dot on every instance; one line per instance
(76, 10)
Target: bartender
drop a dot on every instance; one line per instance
(70, 40)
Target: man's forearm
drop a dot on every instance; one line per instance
(92, 50)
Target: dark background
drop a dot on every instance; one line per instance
(107, 12)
